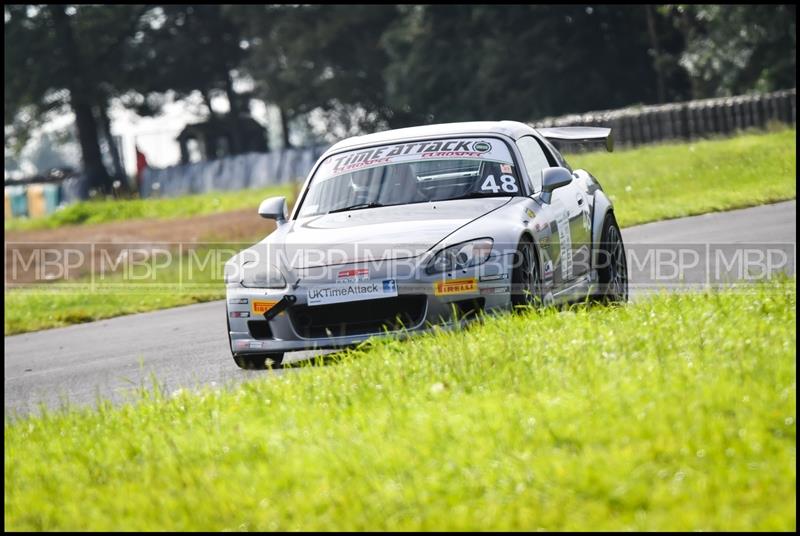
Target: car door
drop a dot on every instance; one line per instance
(568, 206)
(580, 218)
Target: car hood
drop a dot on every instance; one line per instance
(392, 232)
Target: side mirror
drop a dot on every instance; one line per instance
(555, 177)
(274, 208)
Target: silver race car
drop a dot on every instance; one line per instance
(397, 232)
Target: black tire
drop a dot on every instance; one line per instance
(526, 277)
(612, 267)
(259, 362)
(228, 328)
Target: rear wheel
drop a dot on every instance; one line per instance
(613, 267)
(526, 280)
(259, 362)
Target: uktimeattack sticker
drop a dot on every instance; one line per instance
(455, 286)
(462, 148)
(505, 168)
(348, 292)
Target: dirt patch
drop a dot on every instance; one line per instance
(26, 260)
(234, 225)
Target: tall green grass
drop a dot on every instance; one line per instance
(674, 413)
(682, 179)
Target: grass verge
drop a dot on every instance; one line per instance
(36, 309)
(683, 179)
(674, 413)
(108, 210)
(193, 277)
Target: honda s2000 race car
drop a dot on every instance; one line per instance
(396, 232)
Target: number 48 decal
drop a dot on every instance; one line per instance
(507, 184)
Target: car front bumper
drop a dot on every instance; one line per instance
(290, 331)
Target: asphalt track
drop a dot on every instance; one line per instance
(186, 347)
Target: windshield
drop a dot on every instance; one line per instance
(399, 174)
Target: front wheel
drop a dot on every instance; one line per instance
(259, 362)
(612, 267)
(526, 281)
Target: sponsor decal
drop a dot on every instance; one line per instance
(587, 224)
(455, 286)
(506, 168)
(255, 345)
(494, 290)
(353, 275)
(530, 213)
(482, 146)
(347, 292)
(240, 314)
(565, 241)
(262, 306)
(493, 277)
(237, 301)
(415, 151)
(548, 269)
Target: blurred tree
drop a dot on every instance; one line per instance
(364, 67)
(60, 58)
(733, 49)
(185, 48)
(451, 63)
(321, 57)
(182, 49)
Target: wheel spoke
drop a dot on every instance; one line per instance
(527, 279)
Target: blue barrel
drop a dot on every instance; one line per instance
(19, 201)
(52, 197)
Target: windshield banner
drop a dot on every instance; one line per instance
(449, 149)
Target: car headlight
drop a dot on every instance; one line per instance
(254, 275)
(461, 256)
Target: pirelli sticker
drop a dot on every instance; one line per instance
(262, 306)
(455, 286)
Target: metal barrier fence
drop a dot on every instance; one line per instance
(689, 120)
(251, 170)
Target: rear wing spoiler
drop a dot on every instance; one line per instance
(579, 134)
